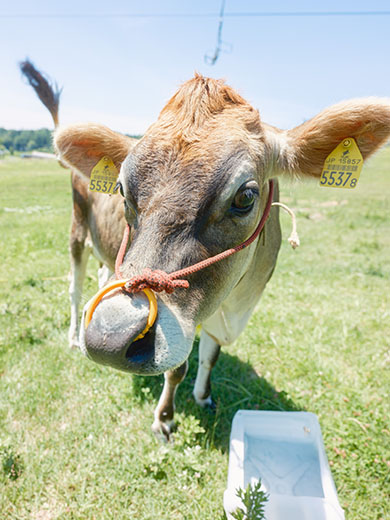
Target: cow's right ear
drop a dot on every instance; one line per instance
(303, 150)
(82, 146)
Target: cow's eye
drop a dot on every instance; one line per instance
(118, 186)
(245, 198)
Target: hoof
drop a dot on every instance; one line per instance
(74, 344)
(211, 406)
(164, 430)
(207, 403)
(73, 339)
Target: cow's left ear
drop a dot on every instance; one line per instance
(81, 146)
(303, 150)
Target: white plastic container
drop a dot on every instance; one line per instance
(286, 452)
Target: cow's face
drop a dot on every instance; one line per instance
(187, 198)
(194, 186)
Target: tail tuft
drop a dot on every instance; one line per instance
(47, 92)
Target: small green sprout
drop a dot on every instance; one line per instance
(253, 499)
(11, 463)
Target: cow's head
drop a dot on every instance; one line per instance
(193, 186)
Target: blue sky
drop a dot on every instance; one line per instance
(120, 70)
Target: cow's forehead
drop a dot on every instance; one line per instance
(203, 134)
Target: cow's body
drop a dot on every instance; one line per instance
(195, 185)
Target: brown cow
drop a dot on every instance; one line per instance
(193, 186)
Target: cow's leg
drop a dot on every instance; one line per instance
(104, 273)
(80, 249)
(79, 254)
(163, 414)
(208, 355)
(77, 274)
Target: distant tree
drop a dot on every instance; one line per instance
(31, 145)
(6, 138)
(3, 151)
(42, 138)
(20, 141)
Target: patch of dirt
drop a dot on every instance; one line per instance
(316, 216)
(332, 203)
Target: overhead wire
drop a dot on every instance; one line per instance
(233, 14)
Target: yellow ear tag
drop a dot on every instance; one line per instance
(342, 167)
(103, 176)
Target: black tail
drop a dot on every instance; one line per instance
(47, 92)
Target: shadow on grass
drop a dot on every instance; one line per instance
(235, 386)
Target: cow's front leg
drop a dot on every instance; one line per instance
(163, 414)
(208, 355)
(79, 254)
(104, 274)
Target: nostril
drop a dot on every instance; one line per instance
(142, 350)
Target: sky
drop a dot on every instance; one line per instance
(120, 61)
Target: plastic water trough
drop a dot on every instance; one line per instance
(285, 451)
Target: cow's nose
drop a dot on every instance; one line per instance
(117, 321)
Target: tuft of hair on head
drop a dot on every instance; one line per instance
(48, 92)
(197, 101)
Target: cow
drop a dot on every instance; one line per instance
(93, 216)
(197, 184)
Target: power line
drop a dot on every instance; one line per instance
(201, 15)
(311, 13)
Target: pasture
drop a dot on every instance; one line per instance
(75, 439)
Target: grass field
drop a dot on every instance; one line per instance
(75, 440)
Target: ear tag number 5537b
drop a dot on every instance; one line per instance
(342, 167)
(103, 176)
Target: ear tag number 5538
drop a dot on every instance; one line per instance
(342, 167)
(103, 176)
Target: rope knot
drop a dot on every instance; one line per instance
(156, 280)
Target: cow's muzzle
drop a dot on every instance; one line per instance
(111, 336)
(117, 322)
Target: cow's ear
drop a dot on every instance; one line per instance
(82, 146)
(303, 150)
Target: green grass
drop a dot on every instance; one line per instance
(75, 440)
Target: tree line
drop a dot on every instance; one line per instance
(26, 140)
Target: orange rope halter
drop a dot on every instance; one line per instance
(158, 281)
